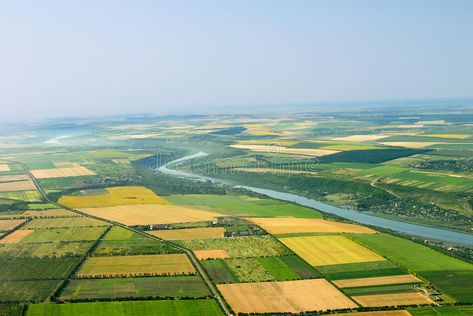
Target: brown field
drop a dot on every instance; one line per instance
(361, 138)
(16, 183)
(16, 236)
(62, 172)
(4, 167)
(410, 144)
(327, 250)
(211, 254)
(285, 150)
(395, 279)
(188, 234)
(303, 225)
(398, 299)
(289, 296)
(50, 213)
(380, 313)
(9, 224)
(14, 177)
(150, 214)
(174, 264)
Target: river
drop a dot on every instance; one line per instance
(440, 234)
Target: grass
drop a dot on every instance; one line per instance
(140, 265)
(167, 307)
(278, 268)
(162, 287)
(116, 196)
(65, 234)
(360, 270)
(42, 250)
(240, 247)
(11, 309)
(382, 289)
(118, 233)
(241, 205)
(17, 269)
(133, 246)
(189, 234)
(457, 284)
(442, 311)
(300, 267)
(219, 271)
(64, 223)
(249, 270)
(27, 291)
(371, 155)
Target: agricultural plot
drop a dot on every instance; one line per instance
(4, 167)
(292, 296)
(241, 205)
(116, 196)
(9, 184)
(240, 247)
(398, 299)
(442, 311)
(327, 250)
(380, 289)
(151, 214)
(360, 270)
(49, 213)
(131, 308)
(372, 156)
(381, 313)
(361, 138)
(66, 222)
(146, 265)
(9, 224)
(433, 181)
(64, 234)
(301, 225)
(45, 250)
(16, 236)
(219, 271)
(286, 150)
(211, 254)
(62, 172)
(27, 291)
(395, 279)
(18, 269)
(189, 234)
(157, 287)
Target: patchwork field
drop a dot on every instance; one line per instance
(286, 150)
(15, 237)
(442, 311)
(360, 270)
(395, 279)
(302, 225)
(17, 185)
(189, 234)
(164, 287)
(326, 250)
(147, 265)
(62, 172)
(292, 296)
(43, 250)
(361, 138)
(29, 291)
(64, 234)
(434, 181)
(150, 214)
(115, 196)
(10, 224)
(211, 254)
(49, 213)
(20, 269)
(399, 299)
(65, 222)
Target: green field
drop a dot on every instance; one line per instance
(434, 181)
(11, 309)
(219, 271)
(13, 269)
(156, 287)
(64, 234)
(27, 291)
(244, 205)
(64, 222)
(381, 289)
(442, 311)
(360, 270)
(49, 249)
(148, 308)
(241, 247)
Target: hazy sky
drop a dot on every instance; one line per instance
(112, 57)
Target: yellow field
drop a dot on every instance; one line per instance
(62, 172)
(151, 214)
(327, 250)
(16, 236)
(398, 299)
(9, 224)
(305, 225)
(360, 138)
(432, 122)
(211, 254)
(116, 196)
(50, 213)
(273, 170)
(395, 279)
(380, 313)
(454, 136)
(4, 167)
(280, 142)
(288, 296)
(410, 144)
(174, 264)
(286, 150)
(190, 233)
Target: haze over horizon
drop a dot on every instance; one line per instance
(61, 58)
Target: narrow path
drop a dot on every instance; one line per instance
(189, 253)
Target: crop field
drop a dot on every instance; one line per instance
(398, 299)
(242, 205)
(26, 196)
(64, 234)
(293, 296)
(165, 307)
(211, 254)
(17, 269)
(151, 214)
(380, 289)
(361, 138)
(141, 265)
(380, 313)
(64, 222)
(132, 246)
(433, 181)
(395, 279)
(10, 224)
(189, 234)
(326, 250)
(163, 287)
(17, 185)
(360, 270)
(240, 247)
(4, 167)
(457, 284)
(16, 236)
(62, 172)
(43, 250)
(286, 150)
(219, 271)
(371, 156)
(442, 311)
(49, 213)
(29, 291)
(115, 196)
(301, 225)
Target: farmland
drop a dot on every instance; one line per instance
(192, 233)
(64, 223)
(64, 234)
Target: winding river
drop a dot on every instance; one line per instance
(440, 234)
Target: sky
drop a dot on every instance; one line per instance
(77, 58)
